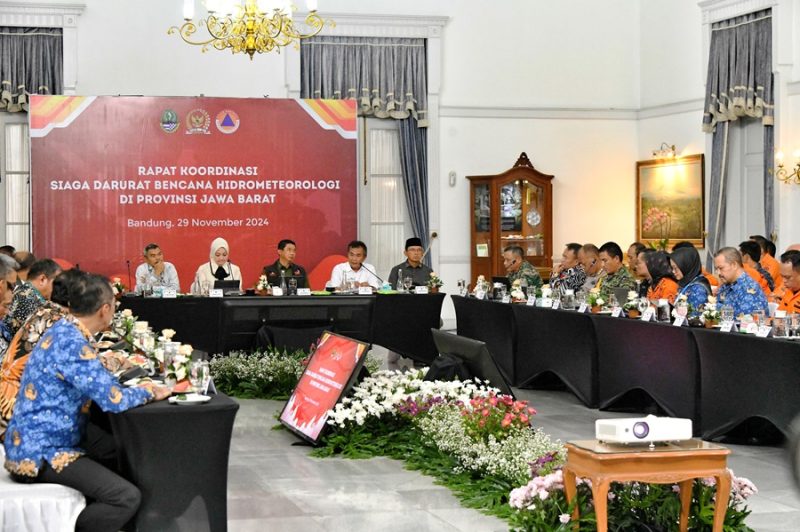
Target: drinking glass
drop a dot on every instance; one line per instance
(759, 317)
(408, 282)
(612, 301)
(198, 375)
(726, 313)
(794, 320)
(643, 304)
(205, 287)
(682, 308)
(568, 300)
(462, 287)
(779, 327)
(580, 298)
(503, 292)
(292, 286)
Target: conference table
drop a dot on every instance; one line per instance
(177, 455)
(399, 322)
(719, 380)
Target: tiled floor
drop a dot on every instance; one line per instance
(274, 485)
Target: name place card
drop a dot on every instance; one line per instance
(506, 299)
(169, 293)
(303, 291)
(420, 289)
(556, 304)
(531, 300)
(277, 291)
(679, 321)
(648, 314)
(616, 312)
(763, 331)
(582, 308)
(365, 290)
(727, 326)
(752, 328)
(215, 292)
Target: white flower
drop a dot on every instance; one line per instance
(632, 295)
(168, 334)
(185, 350)
(600, 301)
(127, 313)
(564, 518)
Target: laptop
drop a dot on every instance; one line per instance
(228, 287)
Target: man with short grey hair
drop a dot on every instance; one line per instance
(738, 289)
(155, 271)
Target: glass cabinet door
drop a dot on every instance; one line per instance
(522, 205)
(482, 209)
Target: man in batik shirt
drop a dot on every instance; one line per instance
(518, 268)
(31, 294)
(617, 275)
(63, 377)
(569, 275)
(738, 289)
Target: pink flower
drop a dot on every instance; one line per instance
(485, 412)
(523, 418)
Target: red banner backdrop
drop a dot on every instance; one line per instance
(111, 174)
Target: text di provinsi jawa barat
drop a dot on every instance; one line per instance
(166, 185)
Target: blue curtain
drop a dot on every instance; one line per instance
(31, 62)
(414, 162)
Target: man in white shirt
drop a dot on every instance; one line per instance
(155, 271)
(355, 269)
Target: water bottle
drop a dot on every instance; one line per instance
(400, 280)
(283, 281)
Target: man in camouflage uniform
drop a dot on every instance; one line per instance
(519, 268)
(617, 275)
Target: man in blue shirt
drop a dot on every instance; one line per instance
(738, 289)
(155, 271)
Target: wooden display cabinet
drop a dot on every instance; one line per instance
(511, 208)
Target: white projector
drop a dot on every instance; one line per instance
(650, 429)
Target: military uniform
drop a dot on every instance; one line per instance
(273, 274)
(621, 278)
(528, 272)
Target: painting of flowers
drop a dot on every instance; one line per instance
(670, 201)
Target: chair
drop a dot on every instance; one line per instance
(321, 273)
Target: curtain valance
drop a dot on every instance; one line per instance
(386, 76)
(740, 70)
(31, 62)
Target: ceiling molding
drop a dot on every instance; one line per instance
(40, 14)
(398, 26)
(559, 113)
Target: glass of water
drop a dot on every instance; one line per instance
(408, 282)
(726, 313)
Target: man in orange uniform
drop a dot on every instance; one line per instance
(790, 272)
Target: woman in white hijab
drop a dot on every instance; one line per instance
(218, 268)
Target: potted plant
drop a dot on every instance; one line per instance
(517, 294)
(711, 314)
(631, 306)
(262, 286)
(118, 288)
(434, 283)
(595, 301)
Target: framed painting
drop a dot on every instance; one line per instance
(670, 201)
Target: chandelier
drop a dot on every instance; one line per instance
(247, 26)
(783, 174)
(665, 151)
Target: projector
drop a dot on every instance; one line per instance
(650, 429)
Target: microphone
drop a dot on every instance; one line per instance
(373, 273)
(130, 284)
(430, 243)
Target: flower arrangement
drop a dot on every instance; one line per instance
(632, 302)
(480, 285)
(663, 220)
(178, 367)
(516, 291)
(547, 292)
(435, 281)
(710, 314)
(262, 285)
(122, 325)
(117, 287)
(595, 299)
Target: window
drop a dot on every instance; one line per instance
(383, 220)
(15, 179)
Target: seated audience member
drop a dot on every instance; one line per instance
(413, 267)
(569, 274)
(517, 268)
(589, 259)
(355, 269)
(751, 254)
(285, 266)
(16, 356)
(642, 272)
(663, 284)
(218, 268)
(790, 271)
(710, 277)
(25, 259)
(687, 270)
(768, 260)
(6, 296)
(31, 294)
(64, 375)
(633, 258)
(7, 250)
(738, 289)
(617, 275)
(11, 266)
(155, 271)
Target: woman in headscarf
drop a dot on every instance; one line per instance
(688, 271)
(662, 281)
(218, 268)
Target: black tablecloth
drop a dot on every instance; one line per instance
(747, 377)
(661, 360)
(178, 457)
(401, 323)
(492, 323)
(558, 342)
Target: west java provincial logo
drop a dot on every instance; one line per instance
(169, 121)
